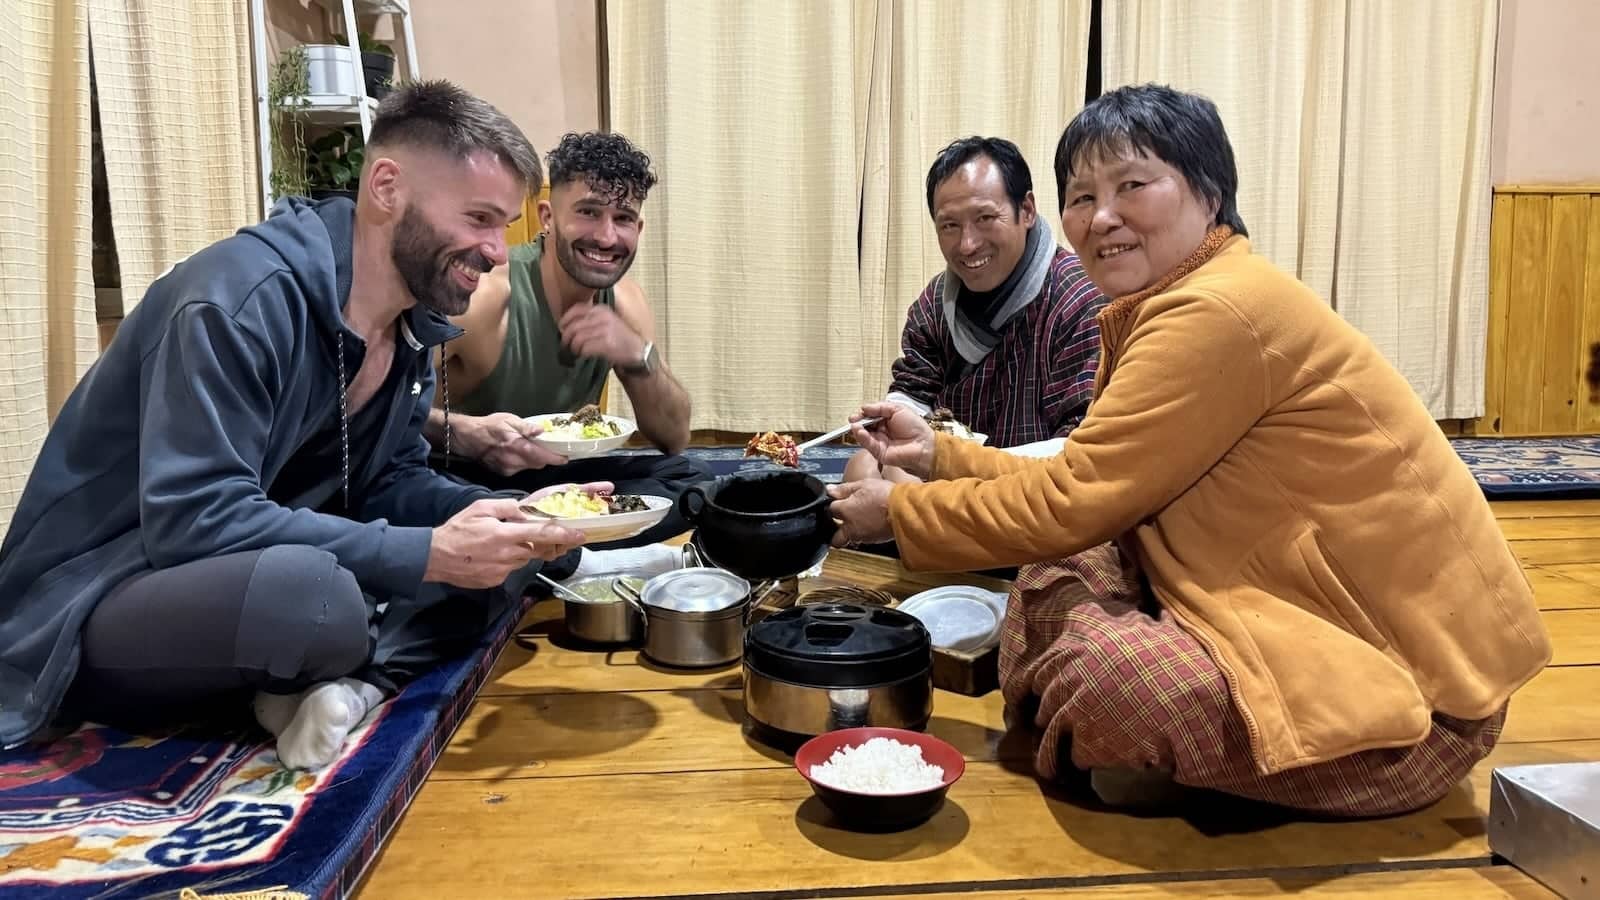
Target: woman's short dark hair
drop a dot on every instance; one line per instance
(1182, 130)
(1007, 158)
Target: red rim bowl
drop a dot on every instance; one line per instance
(857, 809)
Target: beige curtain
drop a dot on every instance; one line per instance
(748, 254)
(177, 125)
(940, 70)
(1366, 179)
(47, 324)
(785, 133)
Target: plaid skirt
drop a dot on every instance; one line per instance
(1128, 688)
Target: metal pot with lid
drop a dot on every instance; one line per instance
(813, 669)
(694, 617)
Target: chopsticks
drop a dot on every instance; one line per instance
(834, 434)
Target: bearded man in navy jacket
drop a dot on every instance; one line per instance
(235, 503)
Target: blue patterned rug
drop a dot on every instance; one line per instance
(826, 463)
(1504, 467)
(107, 814)
(1512, 467)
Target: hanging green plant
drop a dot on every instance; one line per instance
(287, 86)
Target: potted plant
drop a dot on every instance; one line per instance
(334, 164)
(287, 85)
(377, 63)
(328, 69)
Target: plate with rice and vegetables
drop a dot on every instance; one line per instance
(587, 432)
(601, 517)
(880, 778)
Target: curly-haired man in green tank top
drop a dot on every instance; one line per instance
(546, 329)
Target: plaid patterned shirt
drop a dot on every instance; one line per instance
(1035, 385)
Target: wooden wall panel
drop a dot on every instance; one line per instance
(1589, 413)
(1563, 313)
(1544, 311)
(1500, 222)
(1530, 232)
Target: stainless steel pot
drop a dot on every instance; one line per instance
(813, 669)
(810, 711)
(693, 617)
(597, 612)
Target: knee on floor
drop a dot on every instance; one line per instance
(861, 465)
(310, 614)
(1128, 665)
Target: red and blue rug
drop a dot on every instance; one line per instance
(106, 814)
(1507, 468)
(1504, 467)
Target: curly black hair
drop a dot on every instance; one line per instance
(607, 162)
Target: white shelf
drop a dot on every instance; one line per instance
(325, 109)
(332, 109)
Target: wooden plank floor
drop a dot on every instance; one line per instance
(598, 775)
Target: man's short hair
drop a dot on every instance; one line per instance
(1007, 158)
(607, 162)
(438, 115)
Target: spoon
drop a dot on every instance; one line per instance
(835, 434)
(559, 589)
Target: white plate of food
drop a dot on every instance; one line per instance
(601, 517)
(587, 432)
(943, 420)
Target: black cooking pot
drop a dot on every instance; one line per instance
(825, 666)
(760, 525)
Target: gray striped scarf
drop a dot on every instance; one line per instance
(976, 332)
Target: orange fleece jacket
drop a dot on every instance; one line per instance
(1290, 499)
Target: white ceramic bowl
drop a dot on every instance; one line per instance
(616, 526)
(579, 448)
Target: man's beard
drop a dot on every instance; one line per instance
(423, 259)
(577, 267)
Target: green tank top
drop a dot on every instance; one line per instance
(535, 373)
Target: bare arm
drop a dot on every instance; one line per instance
(659, 401)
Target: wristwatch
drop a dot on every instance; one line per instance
(646, 364)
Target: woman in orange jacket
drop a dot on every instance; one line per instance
(1275, 578)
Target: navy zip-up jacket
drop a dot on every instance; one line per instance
(165, 451)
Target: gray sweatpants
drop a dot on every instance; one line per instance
(173, 643)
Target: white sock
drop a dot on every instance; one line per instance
(276, 711)
(647, 561)
(326, 715)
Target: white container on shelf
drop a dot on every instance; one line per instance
(329, 70)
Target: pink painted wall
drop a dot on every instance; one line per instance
(1546, 127)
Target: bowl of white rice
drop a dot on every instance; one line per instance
(879, 778)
